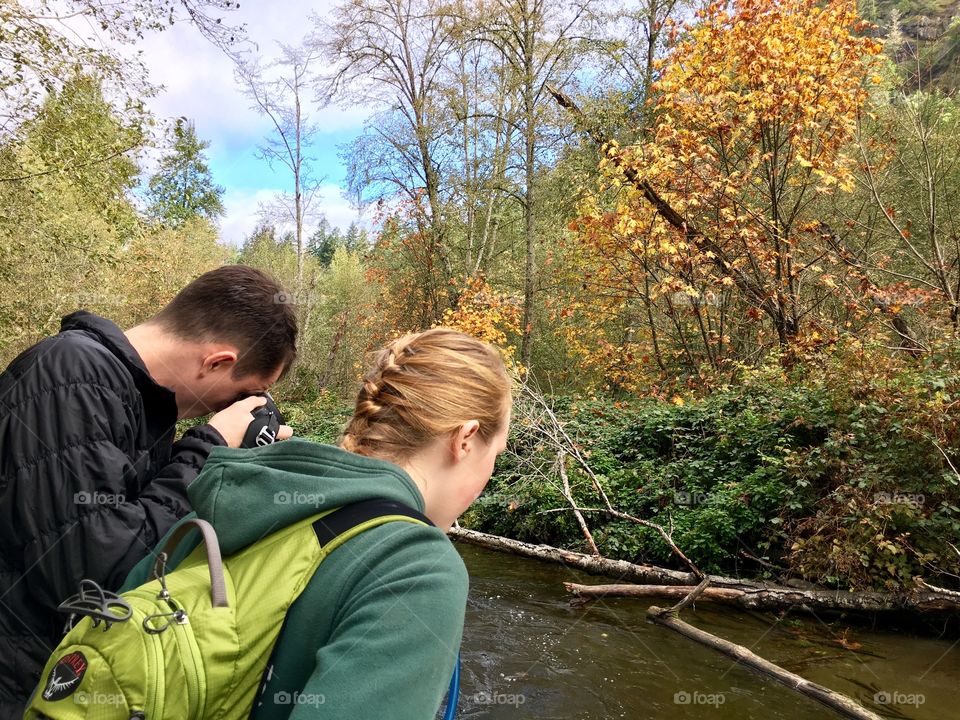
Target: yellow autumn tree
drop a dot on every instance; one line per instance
(486, 314)
(709, 240)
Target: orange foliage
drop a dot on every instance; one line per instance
(485, 314)
(754, 112)
(768, 91)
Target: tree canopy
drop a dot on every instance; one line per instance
(183, 188)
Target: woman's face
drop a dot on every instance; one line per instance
(452, 471)
(477, 466)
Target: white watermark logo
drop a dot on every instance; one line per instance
(91, 298)
(899, 498)
(494, 698)
(895, 697)
(298, 498)
(98, 498)
(298, 698)
(82, 697)
(698, 698)
(682, 497)
(303, 298)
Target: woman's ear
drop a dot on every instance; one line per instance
(463, 438)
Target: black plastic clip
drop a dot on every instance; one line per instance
(96, 603)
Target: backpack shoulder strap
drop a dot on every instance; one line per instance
(344, 523)
(333, 529)
(218, 587)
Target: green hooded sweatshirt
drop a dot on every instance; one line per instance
(377, 630)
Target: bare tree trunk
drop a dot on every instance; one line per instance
(401, 45)
(297, 185)
(561, 466)
(281, 102)
(334, 349)
(536, 41)
(530, 136)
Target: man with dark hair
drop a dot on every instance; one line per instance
(90, 479)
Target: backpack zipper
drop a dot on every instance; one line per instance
(192, 664)
(153, 701)
(187, 650)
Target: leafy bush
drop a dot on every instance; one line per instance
(834, 470)
(321, 418)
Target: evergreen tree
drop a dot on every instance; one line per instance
(324, 242)
(183, 187)
(356, 239)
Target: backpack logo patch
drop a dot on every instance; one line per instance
(65, 676)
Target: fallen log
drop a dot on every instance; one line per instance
(728, 596)
(620, 569)
(832, 699)
(782, 598)
(753, 595)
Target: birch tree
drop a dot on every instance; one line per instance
(280, 91)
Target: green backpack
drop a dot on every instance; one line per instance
(195, 642)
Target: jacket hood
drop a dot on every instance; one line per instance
(247, 494)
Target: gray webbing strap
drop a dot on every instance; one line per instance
(218, 588)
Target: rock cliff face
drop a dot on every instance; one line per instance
(926, 34)
(926, 27)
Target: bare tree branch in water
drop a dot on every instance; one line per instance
(534, 413)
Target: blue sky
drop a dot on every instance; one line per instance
(199, 85)
(234, 160)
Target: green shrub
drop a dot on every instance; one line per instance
(321, 418)
(829, 469)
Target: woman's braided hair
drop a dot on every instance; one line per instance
(423, 386)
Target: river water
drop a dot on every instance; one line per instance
(528, 654)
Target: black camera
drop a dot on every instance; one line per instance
(265, 425)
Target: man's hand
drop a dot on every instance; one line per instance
(232, 421)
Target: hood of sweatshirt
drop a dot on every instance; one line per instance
(247, 494)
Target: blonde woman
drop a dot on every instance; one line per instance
(376, 631)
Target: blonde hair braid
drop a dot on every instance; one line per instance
(423, 386)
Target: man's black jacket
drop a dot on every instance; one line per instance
(89, 482)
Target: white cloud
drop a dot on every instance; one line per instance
(199, 82)
(338, 210)
(241, 213)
